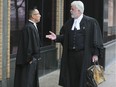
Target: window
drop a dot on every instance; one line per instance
(19, 10)
(48, 20)
(111, 18)
(110, 21)
(17, 22)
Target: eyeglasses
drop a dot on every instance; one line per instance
(36, 14)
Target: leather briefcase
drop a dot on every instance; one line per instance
(95, 75)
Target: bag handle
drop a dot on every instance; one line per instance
(96, 63)
(100, 67)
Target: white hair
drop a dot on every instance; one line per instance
(79, 5)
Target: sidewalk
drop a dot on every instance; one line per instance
(110, 74)
(51, 80)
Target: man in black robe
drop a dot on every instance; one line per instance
(26, 71)
(82, 43)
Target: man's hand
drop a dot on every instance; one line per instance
(51, 36)
(30, 62)
(94, 58)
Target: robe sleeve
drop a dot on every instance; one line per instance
(60, 38)
(31, 44)
(98, 41)
(21, 57)
(28, 42)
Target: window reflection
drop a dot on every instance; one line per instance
(17, 22)
(111, 24)
(110, 20)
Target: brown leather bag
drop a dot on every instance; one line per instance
(95, 74)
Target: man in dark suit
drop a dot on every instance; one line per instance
(82, 43)
(26, 71)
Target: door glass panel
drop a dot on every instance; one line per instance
(17, 19)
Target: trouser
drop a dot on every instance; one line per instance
(75, 66)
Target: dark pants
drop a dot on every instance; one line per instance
(75, 65)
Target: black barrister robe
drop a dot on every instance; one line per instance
(26, 74)
(93, 41)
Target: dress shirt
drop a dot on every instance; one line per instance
(34, 24)
(76, 23)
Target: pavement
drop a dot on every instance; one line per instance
(51, 79)
(110, 75)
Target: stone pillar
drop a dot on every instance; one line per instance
(1, 27)
(4, 41)
(59, 23)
